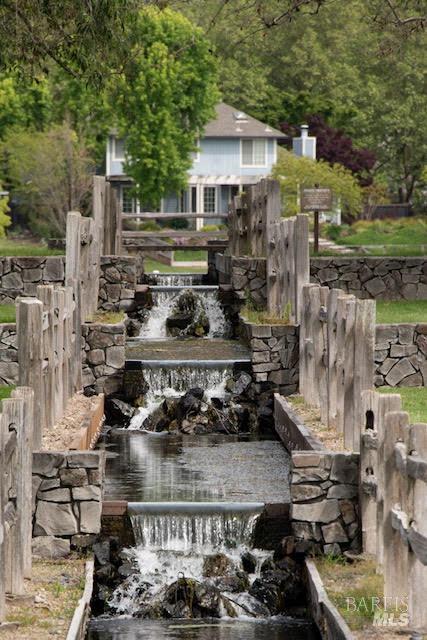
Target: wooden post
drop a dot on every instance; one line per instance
(25, 462)
(60, 401)
(346, 313)
(290, 267)
(69, 364)
(395, 494)
(306, 345)
(364, 354)
(302, 261)
(30, 358)
(273, 269)
(418, 521)
(45, 294)
(98, 208)
(72, 279)
(332, 305)
(316, 233)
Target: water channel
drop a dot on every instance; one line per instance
(192, 499)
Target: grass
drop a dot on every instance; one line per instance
(7, 313)
(390, 252)
(414, 401)
(154, 265)
(401, 311)
(262, 317)
(186, 255)
(402, 231)
(6, 390)
(345, 581)
(11, 247)
(108, 317)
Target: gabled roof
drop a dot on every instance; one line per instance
(233, 123)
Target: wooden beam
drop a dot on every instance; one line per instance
(153, 246)
(171, 216)
(152, 235)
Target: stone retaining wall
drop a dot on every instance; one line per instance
(21, 276)
(377, 278)
(325, 501)
(103, 357)
(247, 277)
(117, 283)
(274, 355)
(9, 368)
(67, 499)
(401, 355)
(291, 429)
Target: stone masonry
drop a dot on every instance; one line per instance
(274, 355)
(324, 494)
(21, 276)
(401, 355)
(67, 499)
(117, 283)
(9, 368)
(248, 279)
(103, 357)
(376, 278)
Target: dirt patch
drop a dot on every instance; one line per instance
(48, 606)
(311, 418)
(76, 416)
(357, 591)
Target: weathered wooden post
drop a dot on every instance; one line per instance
(98, 209)
(72, 279)
(85, 283)
(395, 496)
(45, 295)
(418, 527)
(30, 357)
(306, 345)
(60, 399)
(332, 306)
(302, 261)
(25, 463)
(346, 314)
(364, 357)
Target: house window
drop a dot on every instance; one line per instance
(209, 200)
(118, 149)
(254, 153)
(128, 203)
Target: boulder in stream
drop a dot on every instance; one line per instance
(188, 316)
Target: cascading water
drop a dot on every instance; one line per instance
(181, 543)
(172, 382)
(164, 299)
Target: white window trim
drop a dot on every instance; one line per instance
(197, 153)
(137, 206)
(274, 151)
(115, 157)
(210, 186)
(253, 166)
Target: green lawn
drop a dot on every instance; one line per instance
(400, 237)
(387, 251)
(187, 255)
(6, 390)
(401, 311)
(414, 401)
(7, 313)
(11, 247)
(153, 265)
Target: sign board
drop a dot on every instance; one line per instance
(316, 199)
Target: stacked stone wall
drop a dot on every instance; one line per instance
(325, 502)
(375, 278)
(21, 276)
(117, 283)
(274, 355)
(67, 499)
(103, 356)
(9, 369)
(401, 355)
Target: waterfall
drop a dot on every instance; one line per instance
(164, 381)
(164, 298)
(176, 543)
(178, 279)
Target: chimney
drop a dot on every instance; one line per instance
(305, 145)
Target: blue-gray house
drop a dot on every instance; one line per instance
(235, 150)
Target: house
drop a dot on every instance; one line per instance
(235, 150)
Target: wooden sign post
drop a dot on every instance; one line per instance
(316, 200)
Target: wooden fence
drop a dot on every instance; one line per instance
(337, 343)
(16, 422)
(394, 500)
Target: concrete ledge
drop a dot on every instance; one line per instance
(329, 621)
(114, 508)
(77, 629)
(294, 434)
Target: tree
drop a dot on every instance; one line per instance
(294, 173)
(5, 220)
(51, 174)
(162, 100)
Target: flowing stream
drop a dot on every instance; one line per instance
(194, 502)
